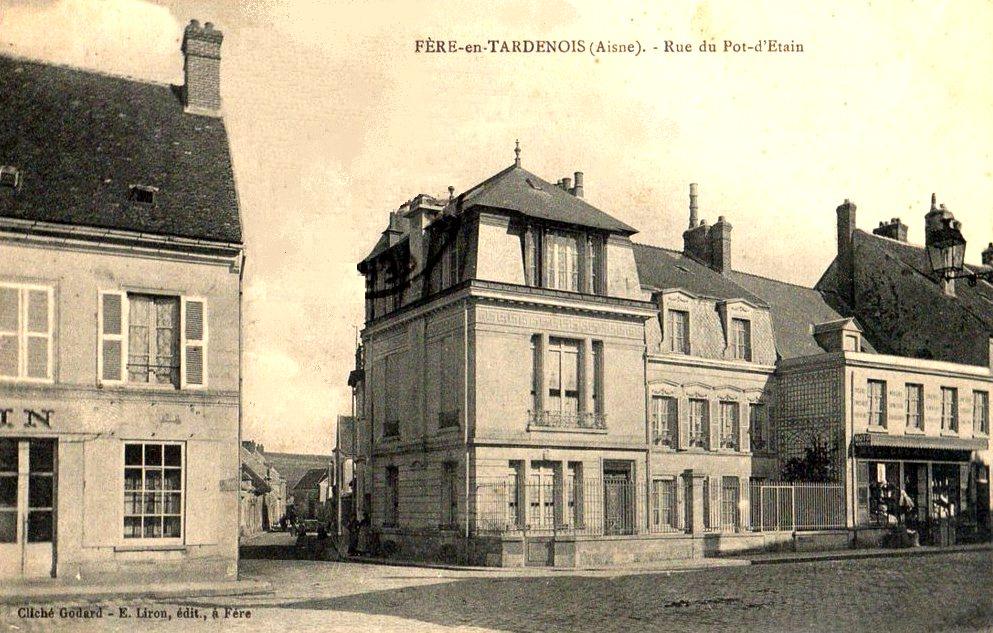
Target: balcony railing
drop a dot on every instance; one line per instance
(698, 440)
(567, 420)
(664, 437)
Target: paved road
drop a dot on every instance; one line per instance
(942, 592)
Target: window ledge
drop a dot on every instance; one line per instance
(875, 428)
(948, 433)
(913, 431)
(447, 430)
(151, 547)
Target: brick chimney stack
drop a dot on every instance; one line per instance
(845, 259)
(988, 255)
(720, 246)
(577, 189)
(202, 69)
(894, 229)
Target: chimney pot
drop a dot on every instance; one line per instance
(894, 229)
(693, 205)
(577, 189)
(567, 184)
(988, 255)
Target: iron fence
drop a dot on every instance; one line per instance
(797, 506)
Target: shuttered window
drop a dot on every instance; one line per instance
(26, 328)
(152, 339)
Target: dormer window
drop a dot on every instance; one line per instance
(10, 177)
(144, 194)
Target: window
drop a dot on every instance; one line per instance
(448, 383)
(665, 421)
(142, 193)
(758, 428)
(574, 495)
(563, 375)
(10, 177)
(698, 423)
(981, 412)
(915, 406)
(597, 394)
(741, 339)
(391, 516)
(561, 261)
(541, 495)
(729, 425)
(597, 269)
(514, 494)
(949, 409)
(679, 331)
(391, 423)
(664, 517)
(25, 332)
(152, 339)
(153, 491)
(451, 272)
(851, 343)
(730, 493)
(877, 403)
(449, 494)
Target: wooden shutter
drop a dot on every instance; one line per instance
(103, 492)
(193, 365)
(112, 357)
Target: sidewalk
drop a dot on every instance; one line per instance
(61, 591)
(775, 558)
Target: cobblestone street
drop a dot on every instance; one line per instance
(940, 592)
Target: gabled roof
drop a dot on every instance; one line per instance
(517, 189)
(795, 311)
(311, 479)
(662, 268)
(293, 466)
(81, 139)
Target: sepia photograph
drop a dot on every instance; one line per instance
(496, 315)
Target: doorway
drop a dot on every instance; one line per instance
(27, 507)
(618, 498)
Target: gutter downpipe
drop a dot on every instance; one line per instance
(241, 382)
(465, 412)
(851, 424)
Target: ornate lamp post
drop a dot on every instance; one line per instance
(946, 249)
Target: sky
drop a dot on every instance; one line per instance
(334, 120)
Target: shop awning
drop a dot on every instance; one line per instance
(921, 441)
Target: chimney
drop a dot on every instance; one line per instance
(894, 229)
(202, 69)
(846, 260)
(988, 255)
(696, 243)
(719, 237)
(577, 190)
(567, 184)
(693, 207)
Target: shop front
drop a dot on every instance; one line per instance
(937, 487)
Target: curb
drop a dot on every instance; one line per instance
(912, 552)
(102, 592)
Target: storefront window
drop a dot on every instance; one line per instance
(153, 491)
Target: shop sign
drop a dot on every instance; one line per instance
(31, 418)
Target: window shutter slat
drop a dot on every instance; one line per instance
(112, 354)
(194, 343)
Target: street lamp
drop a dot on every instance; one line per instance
(946, 252)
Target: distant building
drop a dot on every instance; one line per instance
(293, 466)
(263, 491)
(120, 317)
(538, 388)
(312, 494)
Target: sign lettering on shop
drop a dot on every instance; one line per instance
(33, 418)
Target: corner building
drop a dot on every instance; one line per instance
(120, 320)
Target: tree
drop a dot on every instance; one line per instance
(816, 465)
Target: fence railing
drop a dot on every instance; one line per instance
(797, 506)
(567, 419)
(597, 507)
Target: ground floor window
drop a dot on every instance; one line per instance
(392, 515)
(664, 516)
(449, 494)
(541, 495)
(730, 497)
(153, 490)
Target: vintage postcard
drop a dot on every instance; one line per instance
(495, 315)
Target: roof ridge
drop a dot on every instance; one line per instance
(778, 281)
(89, 71)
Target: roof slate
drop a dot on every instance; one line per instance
(81, 139)
(795, 310)
(662, 268)
(311, 479)
(517, 189)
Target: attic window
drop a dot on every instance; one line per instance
(533, 184)
(142, 193)
(10, 177)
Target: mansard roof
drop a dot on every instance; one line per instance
(662, 269)
(81, 140)
(796, 311)
(517, 189)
